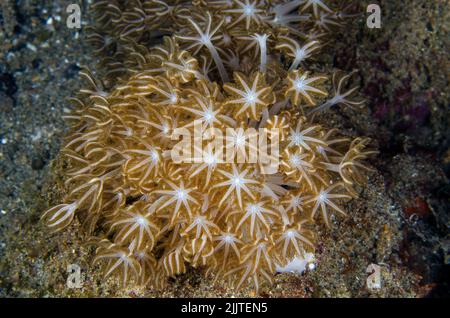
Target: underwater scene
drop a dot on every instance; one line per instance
(224, 148)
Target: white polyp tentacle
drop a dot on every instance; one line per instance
(262, 67)
(295, 63)
(216, 57)
(262, 42)
(287, 7)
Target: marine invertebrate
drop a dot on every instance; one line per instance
(295, 51)
(236, 219)
(300, 87)
(249, 96)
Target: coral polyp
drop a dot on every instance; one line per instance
(227, 65)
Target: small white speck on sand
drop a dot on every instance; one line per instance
(31, 47)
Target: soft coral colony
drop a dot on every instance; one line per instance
(228, 64)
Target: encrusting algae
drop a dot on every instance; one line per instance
(226, 65)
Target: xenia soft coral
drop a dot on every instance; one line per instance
(152, 217)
